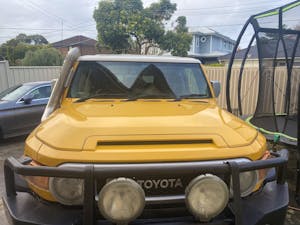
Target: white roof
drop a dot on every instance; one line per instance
(138, 58)
(211, 54)
(202, 30)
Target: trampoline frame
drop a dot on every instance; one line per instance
(280, 31)
(265, 131)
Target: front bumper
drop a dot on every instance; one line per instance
(265, 207)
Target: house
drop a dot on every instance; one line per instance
(86, 45)
(208, 45)
(268, 49)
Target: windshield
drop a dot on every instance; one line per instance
(14, 93)
(138, 80)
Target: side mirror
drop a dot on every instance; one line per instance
(27, 99)
(216, 86)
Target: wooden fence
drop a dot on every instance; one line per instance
(250, 88)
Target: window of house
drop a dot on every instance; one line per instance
(197, 41)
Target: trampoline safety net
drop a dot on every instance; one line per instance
(267, 98)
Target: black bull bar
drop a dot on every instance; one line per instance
(90, 173)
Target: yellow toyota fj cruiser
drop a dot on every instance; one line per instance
(140, 140)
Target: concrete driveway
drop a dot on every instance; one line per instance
(10, 147)
(14, 147)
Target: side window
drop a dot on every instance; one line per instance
(196, 84)
(192, 83)
(42, 92)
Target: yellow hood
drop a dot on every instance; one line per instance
(144, 127)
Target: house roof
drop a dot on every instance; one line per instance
(207, 55)
(74, 41)
(202, 30)
(267, 49)
(208, 31)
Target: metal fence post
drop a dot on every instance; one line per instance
(4, 73)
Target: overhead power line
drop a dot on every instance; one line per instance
(45, 12)
(26, 28)
(209, 25)
(37, 29)
(188, 12)
(259, 4)
(257, 9)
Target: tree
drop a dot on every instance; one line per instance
(43, 57)
(35, 39)
(124, 25)
(14, 50)
(161, 11)
(111, 32)
(178, 42)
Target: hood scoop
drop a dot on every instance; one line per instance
(154, 142)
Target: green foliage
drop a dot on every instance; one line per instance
(161, 11)
(28, 39)
(181, 25)
(178, 42)
(43, 57)
(125, 25)
(37, 40)
(111, 32)
(14, 50)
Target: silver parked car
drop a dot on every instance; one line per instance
(22, 106)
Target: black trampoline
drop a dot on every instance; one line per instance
(268, 98)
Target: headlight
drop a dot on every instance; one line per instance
(206, 196)
(121, 200)
(248, 181)
(67, 191)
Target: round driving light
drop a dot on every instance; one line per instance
(206, 196)
(248, 181)
(121, 200)
(67, 191)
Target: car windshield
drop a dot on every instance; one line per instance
(15, 92)
(134, 80)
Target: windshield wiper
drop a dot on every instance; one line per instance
(156, 96)
(190, 96)
(96, 96)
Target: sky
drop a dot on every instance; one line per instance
(60, 19)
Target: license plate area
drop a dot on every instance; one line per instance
(157, 185)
